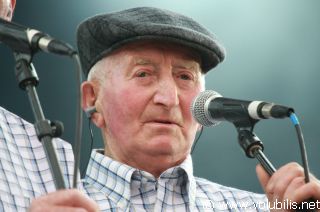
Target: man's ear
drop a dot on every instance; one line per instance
(90, 103)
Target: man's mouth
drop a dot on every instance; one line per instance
(166, 122)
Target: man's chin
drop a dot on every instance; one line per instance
(164, 146)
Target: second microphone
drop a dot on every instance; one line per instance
(209, 108)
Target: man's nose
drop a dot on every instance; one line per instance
(166, 93)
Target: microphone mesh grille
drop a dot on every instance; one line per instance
(199, 108)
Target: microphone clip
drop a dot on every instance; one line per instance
(253, 148)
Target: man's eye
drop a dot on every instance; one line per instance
(185, 77)
(142, 74)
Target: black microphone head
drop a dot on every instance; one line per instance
(199, 108)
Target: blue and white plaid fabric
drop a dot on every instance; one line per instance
(119, 187)
(24, 169)
(25, 174)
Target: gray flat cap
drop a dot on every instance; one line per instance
(102, 34)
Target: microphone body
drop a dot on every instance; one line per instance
(25, 40)
(209, 108)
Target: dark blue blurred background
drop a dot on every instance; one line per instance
(272, 54)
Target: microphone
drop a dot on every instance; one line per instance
(209, 108)
(25, 40)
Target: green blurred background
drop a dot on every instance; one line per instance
(272, 55)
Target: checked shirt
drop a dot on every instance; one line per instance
(25, 175)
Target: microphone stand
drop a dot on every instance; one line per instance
(45, 129)
(253, 148)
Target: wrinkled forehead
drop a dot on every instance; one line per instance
(145, 52)
(144, 47)
(119, 60)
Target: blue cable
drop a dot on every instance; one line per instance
(294, 119)
(303, 151)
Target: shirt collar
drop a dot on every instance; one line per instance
(110, 177)
(187, 166)
(114, 178)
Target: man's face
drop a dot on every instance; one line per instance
(145, 102)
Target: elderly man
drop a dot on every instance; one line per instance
(144, 67)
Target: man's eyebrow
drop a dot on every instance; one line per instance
(142, 61)
(187, 66)
(193, 66)
(181, 63)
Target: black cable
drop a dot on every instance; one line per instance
(79, 119)
(91, 135)
(91, 142)
(303, 151)
(196, 141)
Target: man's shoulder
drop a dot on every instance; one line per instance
(15, 129)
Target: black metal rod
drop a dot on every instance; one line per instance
(46, 140)
(78, 136)
(28, 80)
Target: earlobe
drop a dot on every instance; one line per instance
(98, 119)
(8, 16)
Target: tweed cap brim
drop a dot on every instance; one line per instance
(100, 35)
